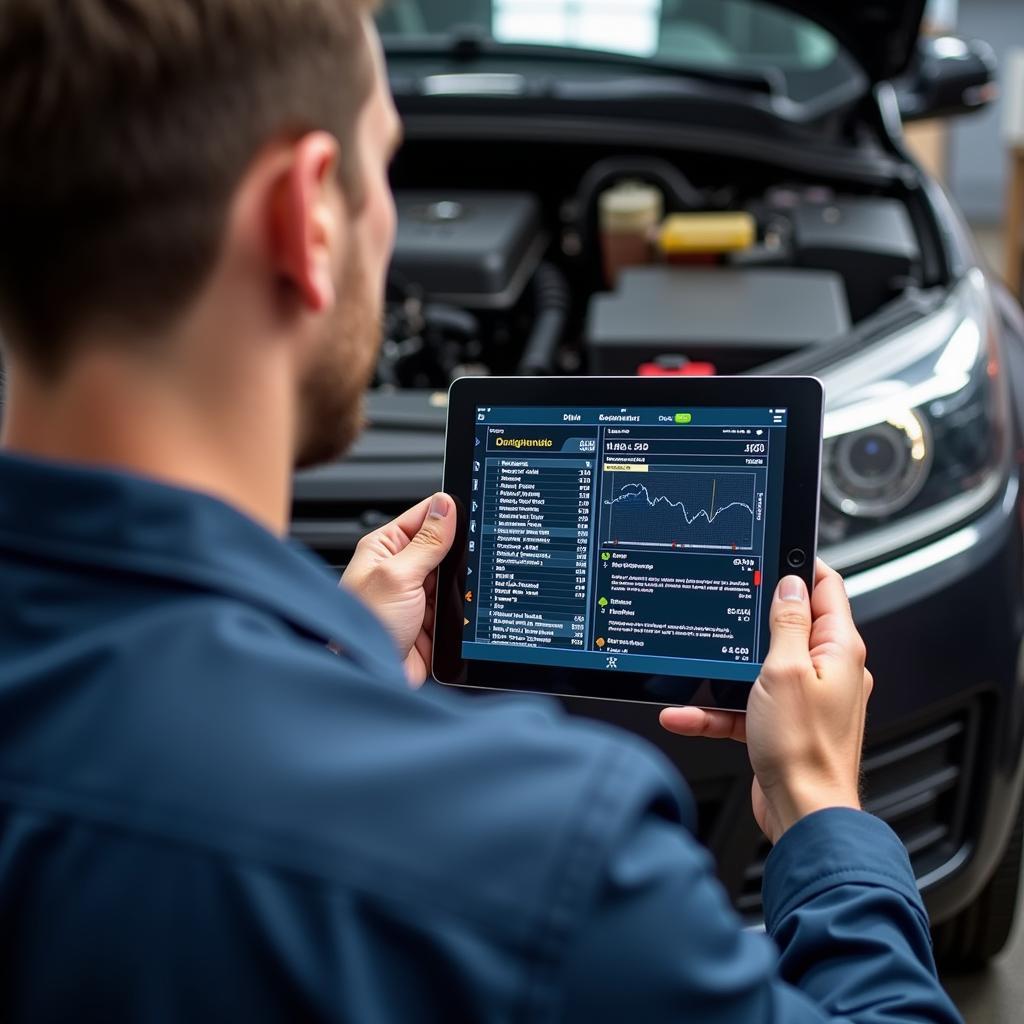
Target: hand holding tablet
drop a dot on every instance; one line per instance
(622, 538)
(804, 725)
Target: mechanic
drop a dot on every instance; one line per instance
(221, 798)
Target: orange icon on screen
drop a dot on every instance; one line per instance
(469, 595)
(599, 641)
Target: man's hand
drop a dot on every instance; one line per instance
(804, 726)
(393, 571)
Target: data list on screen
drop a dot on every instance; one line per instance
(628, 540)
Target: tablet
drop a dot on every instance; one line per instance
(621, 538)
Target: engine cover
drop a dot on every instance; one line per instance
(467, 248)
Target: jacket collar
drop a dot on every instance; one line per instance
(106, 520)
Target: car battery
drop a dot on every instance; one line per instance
(732, 317)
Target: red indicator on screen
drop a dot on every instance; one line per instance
(757, 577)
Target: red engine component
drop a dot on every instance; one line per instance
(676, 366)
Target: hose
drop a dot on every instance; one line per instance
(552, 301)
(679, 191)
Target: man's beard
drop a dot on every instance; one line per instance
(331, 411)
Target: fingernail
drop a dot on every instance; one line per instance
(792, 589)
(439, 506)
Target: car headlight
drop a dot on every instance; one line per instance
(916, 436)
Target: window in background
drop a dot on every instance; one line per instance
(800, 59)
(618, 26)
(723, 33)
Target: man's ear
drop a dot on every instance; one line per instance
(306, 222)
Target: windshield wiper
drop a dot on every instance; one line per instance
(472, 44)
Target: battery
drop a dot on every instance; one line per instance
(732, 317)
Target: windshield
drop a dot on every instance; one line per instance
(729, 35)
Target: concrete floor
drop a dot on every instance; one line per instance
(995, 996)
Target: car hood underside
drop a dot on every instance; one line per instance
(880, 34)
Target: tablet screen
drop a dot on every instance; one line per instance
(624, 539)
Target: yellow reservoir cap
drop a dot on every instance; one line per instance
(706, 233)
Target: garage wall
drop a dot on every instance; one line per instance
(977, 153)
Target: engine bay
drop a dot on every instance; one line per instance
(635, 269)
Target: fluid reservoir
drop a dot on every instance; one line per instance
(685, 234)
(630, 213)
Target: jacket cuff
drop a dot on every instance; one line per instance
(831, 848)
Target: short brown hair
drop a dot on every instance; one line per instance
(125, 126)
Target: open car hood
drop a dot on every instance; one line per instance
(879, 34)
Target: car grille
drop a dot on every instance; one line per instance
(918, 784)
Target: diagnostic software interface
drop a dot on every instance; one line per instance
(624, 539)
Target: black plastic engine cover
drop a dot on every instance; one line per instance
(869, 240)
(471, 249)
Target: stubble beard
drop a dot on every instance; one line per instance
(332, 411)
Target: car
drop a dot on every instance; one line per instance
(531, 126)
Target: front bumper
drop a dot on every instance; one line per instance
(944, 760)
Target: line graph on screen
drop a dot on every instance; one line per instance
(681, 509)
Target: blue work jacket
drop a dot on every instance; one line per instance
(206, 814)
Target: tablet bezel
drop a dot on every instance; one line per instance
(802, 397)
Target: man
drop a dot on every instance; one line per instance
(221, 799)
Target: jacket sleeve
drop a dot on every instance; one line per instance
(851, 935)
